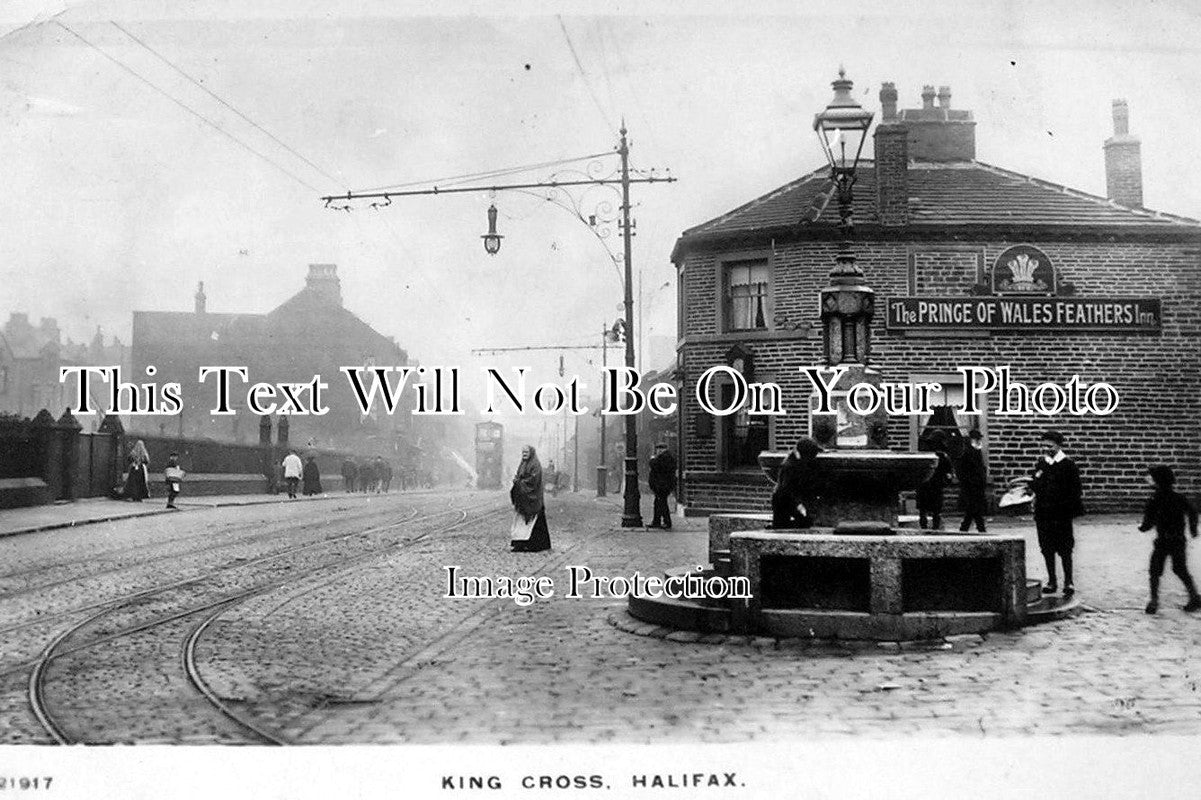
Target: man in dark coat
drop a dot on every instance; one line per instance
(797, 487)
(1058, 499)
(930, 493)
(973, 477)
(366, 481)
(350, 472)
(662, 482)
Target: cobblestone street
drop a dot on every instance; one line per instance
(372, 652)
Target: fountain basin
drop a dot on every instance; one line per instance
(820, 583)
(903, 470)
(860, 485)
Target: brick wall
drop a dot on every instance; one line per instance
(1157, 376)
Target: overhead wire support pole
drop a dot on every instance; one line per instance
(631, 516)
(631, 512)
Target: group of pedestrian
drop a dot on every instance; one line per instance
(135, 480)
(367, 475)
(971, 473)
(301, 475)
(529, 532)
(1058, 499)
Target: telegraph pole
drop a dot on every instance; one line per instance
(631, 516)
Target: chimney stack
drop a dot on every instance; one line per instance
(200, 298)
(892, 162)
(323, 282)
(1123, 161)
(939, 133)
(888, 102)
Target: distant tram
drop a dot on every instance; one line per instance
(489, 454)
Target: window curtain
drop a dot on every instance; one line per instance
(748, 296)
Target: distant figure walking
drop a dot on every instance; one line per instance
(1166, 511)
(797, 487)
(350, 473)
(1058, 499)
(312, 477)
(383, 474)
(292, 471)
(530, 533)
(173, 476)
(930, 493)
(137, 484)
(662, 482)
(366, 476)
(973, 479)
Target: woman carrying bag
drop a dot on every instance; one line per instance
(529, 533)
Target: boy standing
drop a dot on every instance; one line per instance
(973, 479)
(1166, 511)
(1058, 499)
(173, 475)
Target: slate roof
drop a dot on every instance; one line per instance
(963, 193)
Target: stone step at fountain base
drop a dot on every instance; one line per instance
(709, 615)
(1048, 607)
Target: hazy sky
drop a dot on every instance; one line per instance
(117, 199)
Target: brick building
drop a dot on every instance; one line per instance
(971, 265)
(30, 358)
(311, 333)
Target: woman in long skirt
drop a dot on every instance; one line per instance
(312, 477)
(137, 487)
(526, 495)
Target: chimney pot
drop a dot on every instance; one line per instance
(927, 97)
(944, 96)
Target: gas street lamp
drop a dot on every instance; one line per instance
(492, 238)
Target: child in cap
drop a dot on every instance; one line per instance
(1166, 511)
(173, 475)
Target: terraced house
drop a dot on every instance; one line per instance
(972, 264)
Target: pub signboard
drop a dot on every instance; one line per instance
(1022, 292)
(1017, 313)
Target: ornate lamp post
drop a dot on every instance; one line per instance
(847, 303)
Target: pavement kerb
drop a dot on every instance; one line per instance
(151, 512)
(622, 620)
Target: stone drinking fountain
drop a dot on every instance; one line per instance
(856, 574)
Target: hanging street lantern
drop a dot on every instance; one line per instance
(492, 238)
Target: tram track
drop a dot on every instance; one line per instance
(275, 528)
(119, 623)
(125, 600)
(233, 564)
